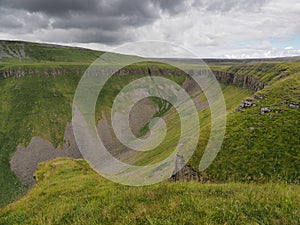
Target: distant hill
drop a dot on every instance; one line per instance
(234, 61)
(38, 52)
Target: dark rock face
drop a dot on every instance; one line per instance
(187, 173)
(22, 72)
(26, 159)
(242, 81)
(225, 77)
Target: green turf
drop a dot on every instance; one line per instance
(263, 147)
(69, 192)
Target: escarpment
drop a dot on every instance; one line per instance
(239, 80)
(22, 72)
(243, 81)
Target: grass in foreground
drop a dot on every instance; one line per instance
(90, 199)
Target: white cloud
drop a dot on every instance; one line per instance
(212, 28)
(289, 48)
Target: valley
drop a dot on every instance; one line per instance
(255, 177)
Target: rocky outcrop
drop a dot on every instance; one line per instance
(12, 51)
(26, 159)
(22, 72)
(248, 103)
(186, 173)
(243, 81)
(294, 105)
(152, 71)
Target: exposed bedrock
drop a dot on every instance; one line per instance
(26, 159)
(22, 72)
(185, 172)
(243, 81)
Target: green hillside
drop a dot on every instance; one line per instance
(17, 52)
(263, 147)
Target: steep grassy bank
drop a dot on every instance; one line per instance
(261, 146)
(232, 95)
(31, 107)
(90, 199)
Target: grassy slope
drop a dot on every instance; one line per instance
(90, 199)
(46, 54)
(268, 72)
(263, 147)
(30, 107)
(233, 97)
(260, 148)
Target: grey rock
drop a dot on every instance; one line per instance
(259, 97)
(184, 172)
(247, 104)
(294, 105)
(265, 110)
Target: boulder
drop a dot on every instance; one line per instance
(265, 110)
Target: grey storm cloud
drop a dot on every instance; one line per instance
(171, 6)
(230, 5)
(51, 7)
(111, 7)
(100, 21)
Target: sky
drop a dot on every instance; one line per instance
(207, 28)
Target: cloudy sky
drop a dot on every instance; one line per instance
(208, 28)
